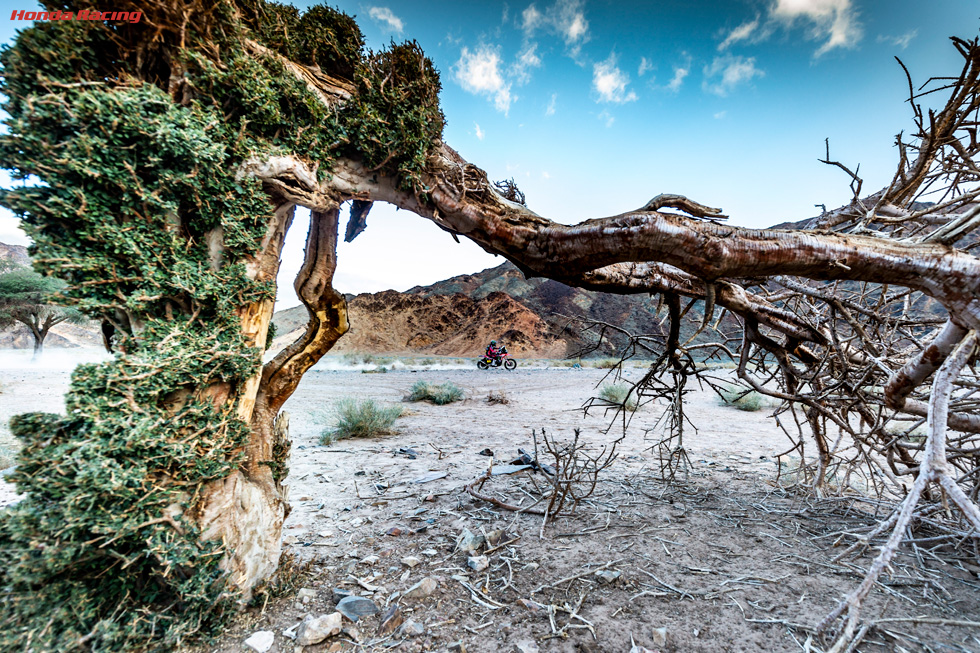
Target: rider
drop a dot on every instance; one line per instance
(492, 352)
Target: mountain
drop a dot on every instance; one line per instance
(16, 254)
(459, 316)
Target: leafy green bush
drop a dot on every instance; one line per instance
(619, 393)
(361, 419)
(736, 396)
(440, 395)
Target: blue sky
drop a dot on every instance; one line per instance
(595, 106)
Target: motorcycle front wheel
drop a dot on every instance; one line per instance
(482, 364)
(510, 364)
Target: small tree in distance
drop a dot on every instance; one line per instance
(25, 298)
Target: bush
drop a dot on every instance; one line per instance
(440, 395)
(361, 419)
(738, 397)
(619, 394)
(497, 397)
(605, 363)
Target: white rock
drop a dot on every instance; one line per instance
(325, 534)
(314, 630)
(404, 577)
(369, 560)
(421, 589)
(477, 563)
(659, 636)
(430, 552)
(261, 641)
(526, 646)
(306, 595)
(410, 561)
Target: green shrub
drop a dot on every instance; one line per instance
(738, 397)
(440, 395)
(619, 393)
(361, 419)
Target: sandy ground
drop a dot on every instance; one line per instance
(723, 560)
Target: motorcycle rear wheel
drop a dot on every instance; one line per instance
(482, 364)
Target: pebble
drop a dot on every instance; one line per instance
(411, 629)
(430, 552)
(325, 534)
(468, 542)
(355, 607)
(659, 636)
(261, 641)
(290, 539)
(391, 620)
(477, 563)
(306, 595)
(457, 647)
(421, 589)
(526, 646)
(404, 577)
(369, 560)
(411, 561)
(608, 575)
(338, 595)
(314, 630)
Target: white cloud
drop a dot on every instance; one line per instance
(479, 132)
(728, 71)
(386, 16)
(834, 22)
(680, 73)
(526, 61)
(606, 117)
(545, 174)
(550, 111)
(565, 18)
(479, 73)
(610, 82)
(645, 66)
(899, 41)
(745, 32)
(720, 115)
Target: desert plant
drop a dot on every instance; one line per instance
(361, 419)
(497, 397)
(736, 396)
(440, 395)
(619, 393)
(605, 363)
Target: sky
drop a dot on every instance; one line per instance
(595, 106)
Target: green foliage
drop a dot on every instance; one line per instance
(736, 396)
(136, 133)
(619, 393)
(440, 395)
(361, 419)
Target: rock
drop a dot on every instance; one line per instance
(659, 636)
(261, 641)
(325, 534)
(429, 498)
(306, 595)
(369, 560)
(290, 539)
(608, 575)
(352, 632)
(531, 566)
(477, 563)
(495, 537)
(457, 647)
(392, 619)
(486, 452)
(526, 646)
(430, 552)
(411, 561)
(421, 589)
(404, 577)
(355, 607)
(338, 595)
(411, 629)
(395, 531)
(314, 630)
(468, 542)
(531, 606)
(336, 647)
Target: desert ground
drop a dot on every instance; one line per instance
(722, 558)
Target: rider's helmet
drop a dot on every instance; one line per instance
(493, 343)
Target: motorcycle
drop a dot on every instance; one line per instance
(504, 359)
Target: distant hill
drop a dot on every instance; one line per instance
(14, 254)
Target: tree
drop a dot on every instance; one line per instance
(173, 153)
(24, 296)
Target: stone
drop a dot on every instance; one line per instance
(336, 647)
(411, 561)
(355, 607)
(369, 560)
(457, 647)
(411, 629)
(395, 531)
(421, 589)
(338, 595)
(325, 534)
(391, 620)
(531, 566)
(306, 595)
(495, 537)
(404, 577)
(314, 630)
(430, 553)
(531, 606)
(290, 539)
(261, 641)
(477, 563)
(659, 636)
(468, 542)
(608, 575)
(526, 646)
